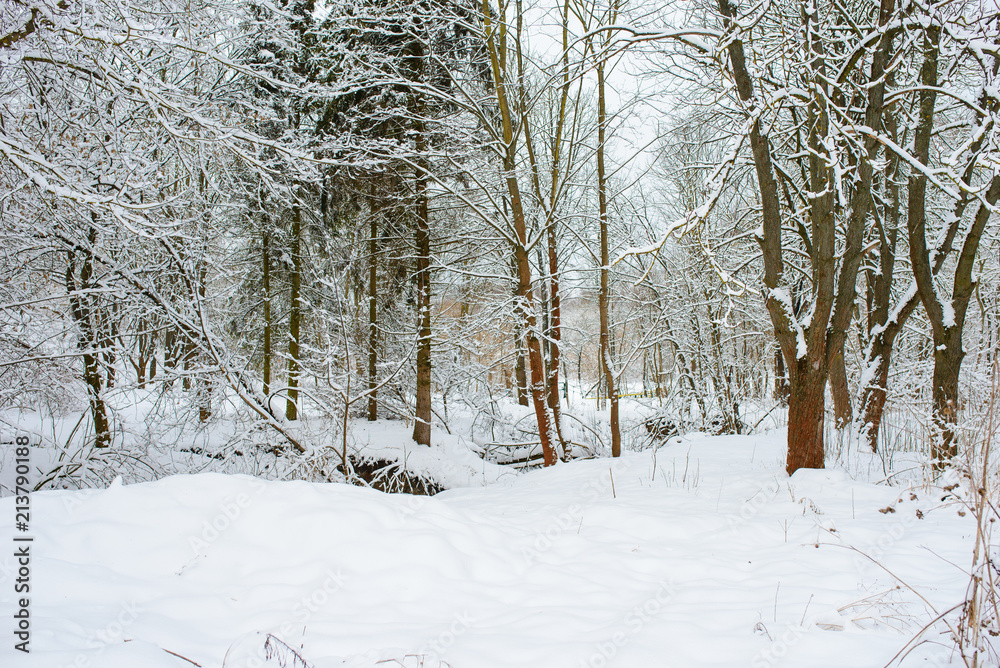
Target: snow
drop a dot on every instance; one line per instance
(701, 553)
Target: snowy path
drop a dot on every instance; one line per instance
(718, 566)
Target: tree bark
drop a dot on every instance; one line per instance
(203, 382)
(875, 392)
(843, 411)
(268, 324)
(782, 390)
(520, 369)
(422, 417)
(947, 322)
(554, 336)
(525, 302)
(83, 313)
(832, 290)
(806, 406)
(881, 332)
(375, 211)
(294, 318)
(607, 362)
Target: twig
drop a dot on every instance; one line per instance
(181, 657)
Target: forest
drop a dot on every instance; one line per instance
(426, 245)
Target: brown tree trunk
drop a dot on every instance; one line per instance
(521, 359)
(944, 395)
(520, 370)
(782, 390)
(658, 370)
(422, 417)
(550, 287)
(525, 302)
(832, 289)
(554, 337)
(874, 395)
(170, 347)
(806, 407)
(189, 353)
(294, 318)
(843, 412)
(607, 361)
(268, 325)
(374, 212)
(881, 332)
(946, 328)
(204, 383)
(83, 309)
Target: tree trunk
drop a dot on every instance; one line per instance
(882, 333)
(375, 210)
(947, 319)
(83, 313)
(842, 410)
(658, 370)
(554, 337)
(603, 302)
(524, 301)
(833, 288)
(782, 390)
(294, 318)
(268, 325)
(520, 361)
(422, 417)
(520, 370)
(944, 394)
(874, 395)
(806, 407)
(189, 352)
(204, 383)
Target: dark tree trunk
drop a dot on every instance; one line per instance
(295, 318)
(422, 418)
(268, 324)
(375, 211)
(554, 336)
(520, 371)
(946, 327)
(83, 309)
(189, 353)
(524, 299)
(204, 382)
(782, 389)
(805, 417)
(843, 411)
(607, 361)
(874, 395)
(832, 287)
(944, 394)
(882, 333)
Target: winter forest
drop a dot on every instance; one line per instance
(499, 333)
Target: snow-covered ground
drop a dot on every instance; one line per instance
(704, 553)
